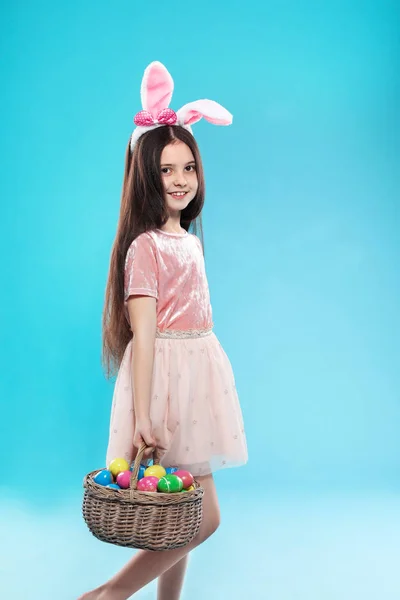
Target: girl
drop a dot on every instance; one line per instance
(175, 388)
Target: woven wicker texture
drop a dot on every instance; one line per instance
(144, 520)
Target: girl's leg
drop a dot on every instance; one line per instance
(146, 565)
(170, 583)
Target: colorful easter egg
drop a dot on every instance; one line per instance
(103, 477)
(190, 489)
(186, 477)
(113, 486)
(148, 484)
(118, 465)
(171, 470)
(142, 469)
(170, 484)
(155, 471)
(123, 479)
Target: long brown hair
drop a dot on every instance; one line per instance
(142, 209)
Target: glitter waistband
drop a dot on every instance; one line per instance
(180, 334)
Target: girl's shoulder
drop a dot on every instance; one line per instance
(142, 240)
(142, 244)
(154, 239)
(198, 241)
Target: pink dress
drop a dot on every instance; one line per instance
(194, 409)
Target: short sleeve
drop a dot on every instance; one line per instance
(141, 271)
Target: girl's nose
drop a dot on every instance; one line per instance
(180, 179)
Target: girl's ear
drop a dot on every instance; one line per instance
(208, 109)
(157, 87)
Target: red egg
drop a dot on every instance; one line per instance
(186, 477)
(147, 484)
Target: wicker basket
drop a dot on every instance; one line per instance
(145, 520)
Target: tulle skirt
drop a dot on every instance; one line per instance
(194, 410)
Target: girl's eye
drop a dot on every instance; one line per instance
(189, 168)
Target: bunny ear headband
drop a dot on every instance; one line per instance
(156, 93)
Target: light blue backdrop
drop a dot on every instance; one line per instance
(301, 233)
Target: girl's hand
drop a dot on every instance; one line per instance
(144, 433)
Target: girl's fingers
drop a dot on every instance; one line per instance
(137, 441)
(148, 438)
(150, 441)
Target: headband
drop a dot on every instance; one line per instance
(156, 93)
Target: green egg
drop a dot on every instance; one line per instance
(170, 484)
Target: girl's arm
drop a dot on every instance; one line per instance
(143, 319)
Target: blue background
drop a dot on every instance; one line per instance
(302, 254)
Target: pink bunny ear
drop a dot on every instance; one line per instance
(207, 109)
(157, 87)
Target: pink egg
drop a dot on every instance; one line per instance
(147, 484)
(123, 479)
(186, 477)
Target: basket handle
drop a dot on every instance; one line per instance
(138, 460)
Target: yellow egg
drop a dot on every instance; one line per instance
(191, 488)
(155, 471)
(117, 465)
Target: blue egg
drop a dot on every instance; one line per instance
(103, 477)
(113, 486)
(171, 470)
(142, 469)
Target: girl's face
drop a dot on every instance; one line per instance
(179, 176)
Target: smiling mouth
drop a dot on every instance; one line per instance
(178, 194)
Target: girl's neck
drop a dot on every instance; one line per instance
(173, 226)
(181, 233)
